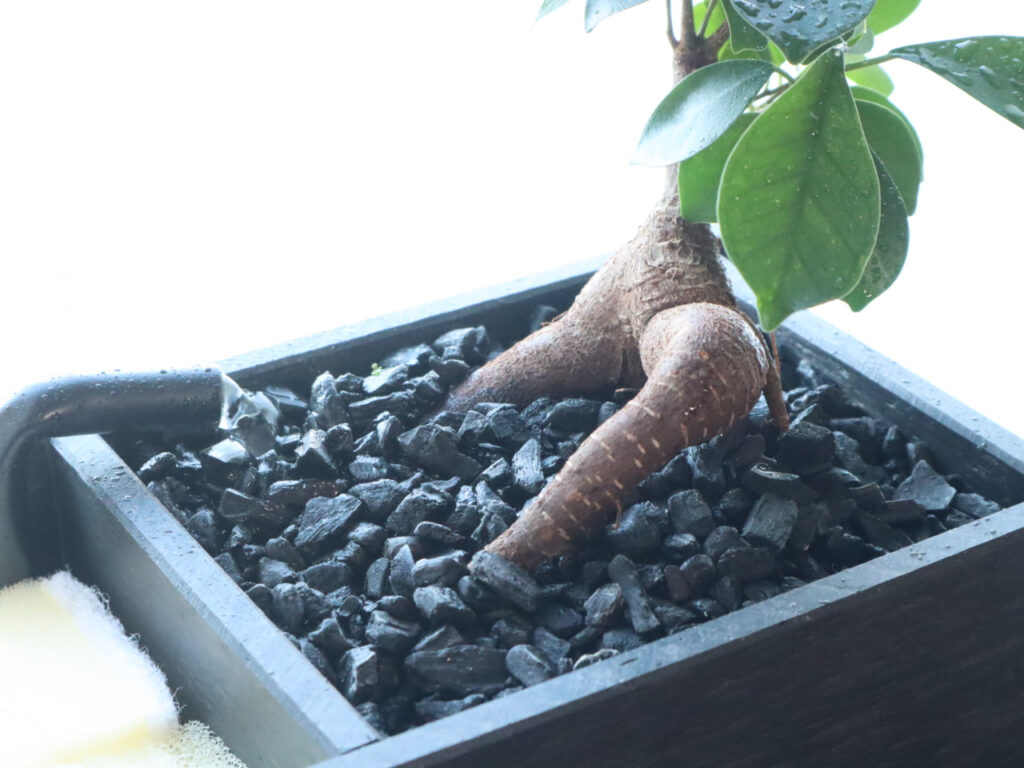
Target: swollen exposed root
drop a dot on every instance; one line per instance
(658, 317)
(712, 368)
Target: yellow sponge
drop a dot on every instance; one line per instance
(72, 685)
(193, 745)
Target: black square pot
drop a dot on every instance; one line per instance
(913, 658)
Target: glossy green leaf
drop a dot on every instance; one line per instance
(867, 94)
(726, 53)
(699, 110)
(891, 246)
(742, 35)
(991, 69)
(717, 17)
(893, 141)
(599, 10)
(888, 13)
(799, 201)
(801, 28)
(770, 54)
(863, 42)
(548, 6)
(872, 77)
(700, 175)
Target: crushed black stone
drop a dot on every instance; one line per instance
(350, 518)
(528, 665)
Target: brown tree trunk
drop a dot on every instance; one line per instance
(595, 346)
(708, 369)
(659, 316)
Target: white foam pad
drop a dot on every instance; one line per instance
(72, 685)
(191, 746)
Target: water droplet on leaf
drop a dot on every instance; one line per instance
(795, 13)
(990, 76)
(747, 7)
(1014, 111)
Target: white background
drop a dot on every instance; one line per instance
(181, 182)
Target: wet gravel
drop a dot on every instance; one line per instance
(350, 517)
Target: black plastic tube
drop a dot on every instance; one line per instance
(80, 405)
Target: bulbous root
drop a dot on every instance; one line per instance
(558, 360)
(658, 317)
(706, 367)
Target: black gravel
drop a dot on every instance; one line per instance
(350, 516)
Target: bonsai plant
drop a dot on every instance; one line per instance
(779, 129)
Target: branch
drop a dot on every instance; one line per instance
(717, 39)
(707, 18)
(771, 94)
(671, 35)
(688, 33)
(693, 52)
(869, 62)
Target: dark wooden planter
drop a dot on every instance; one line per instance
(914, 658)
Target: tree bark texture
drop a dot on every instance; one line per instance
(660, 317)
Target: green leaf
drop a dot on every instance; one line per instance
(742, 35)
(548, 6)
(888, 13)
(872, 77)
(867, 94)
(700, 175)
(863, 42)
(799, 201)
(991, 69)
(699, 110)
(599, 10)
(717, 16)
(770, 53)
(892, 140)
(870, 94)
(891, 245)
(726, 53)
(799, 30)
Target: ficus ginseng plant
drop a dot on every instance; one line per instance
(783, 133)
